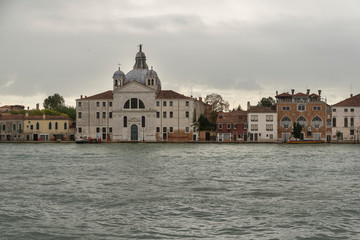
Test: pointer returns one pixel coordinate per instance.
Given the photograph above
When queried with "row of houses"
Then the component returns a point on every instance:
(319, 121)
(36, 128)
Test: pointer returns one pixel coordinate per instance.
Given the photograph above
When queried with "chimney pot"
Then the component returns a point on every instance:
(292, 91)
(308, 92)
(351, 95)
(200, 99)
(80, 96)
(248, 105)
(319, 91)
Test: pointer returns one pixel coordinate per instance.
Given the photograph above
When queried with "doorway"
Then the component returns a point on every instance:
(134, 132)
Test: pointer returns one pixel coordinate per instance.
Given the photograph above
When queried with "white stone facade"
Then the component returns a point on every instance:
(262, 124)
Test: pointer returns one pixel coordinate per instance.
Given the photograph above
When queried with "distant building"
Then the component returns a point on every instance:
(262, 124)
(313, 114)
(138, 110)
(11, 127)
(346, 119)
(232, 126)
(9, 108)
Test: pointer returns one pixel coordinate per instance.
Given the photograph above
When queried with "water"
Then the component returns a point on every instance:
(179, 191)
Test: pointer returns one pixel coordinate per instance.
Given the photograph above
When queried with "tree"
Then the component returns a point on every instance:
(68, 110)
(267, 102)
(238, 108)
(54, 101)
(205, 124)
(217, 104)
(296, 131)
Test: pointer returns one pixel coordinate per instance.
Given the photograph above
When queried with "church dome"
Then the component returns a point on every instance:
(119, 74)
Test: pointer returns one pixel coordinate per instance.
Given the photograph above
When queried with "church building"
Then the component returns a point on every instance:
(136, 109)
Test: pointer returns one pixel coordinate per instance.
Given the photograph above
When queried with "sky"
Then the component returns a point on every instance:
(241, 49)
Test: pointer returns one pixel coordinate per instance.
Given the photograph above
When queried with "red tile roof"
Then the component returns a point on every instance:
(260, 109)
(37, 117)
(284, 95)
(103, 95)
(232, 117)
(169, 94)
(349, 102)
(300, 94)
(11, 117)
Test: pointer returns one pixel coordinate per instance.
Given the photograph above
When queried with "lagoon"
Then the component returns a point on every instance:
(179, 191)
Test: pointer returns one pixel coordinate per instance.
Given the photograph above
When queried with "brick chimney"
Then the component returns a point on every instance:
(292, 91)
(308, 92)
(248, 105)
(80, 96)
(37, 106)
(319, 91)
(200, 99)
(351, 95)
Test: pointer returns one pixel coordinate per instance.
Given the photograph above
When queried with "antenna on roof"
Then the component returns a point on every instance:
(140, 47)
(119, 66)
(350, 89)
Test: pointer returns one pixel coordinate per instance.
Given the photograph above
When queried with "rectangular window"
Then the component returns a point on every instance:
(110, 129)
(104, 129)
(316, 108)
(187, 114)
(171, 114)
(79, 104)
(97, 130)
(79, 114)
(334, 109)
(104, 104)
(352, 132)
(157, 114)
(157, 129)
(245, 126)
(164, 114)
(254, 118)
(97, 115)
(104, 114)
(228, 126)
(285, 108)
(157, 103)
(110, 114)
(269, 127)
(171, 129)
(187, 129)
(351, 110)
(31, 127)
(187, 103)
(301, 107)
(79, 130)
(164, 103)
(98, 104)
(234, 126)
(110, 104)
(171, 103)
(220, 126)
(269, 118)
(345, 110)
(254, 127)
(164, 129)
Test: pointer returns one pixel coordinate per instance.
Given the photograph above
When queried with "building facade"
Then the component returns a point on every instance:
(262, 124)
(346, 119)
(232, 126)
(313, 114)
(136, 109)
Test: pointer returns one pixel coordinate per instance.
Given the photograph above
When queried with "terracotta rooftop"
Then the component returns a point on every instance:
(283, 95)
(232, 117)
(349, 102)
(12, 117)
(169, 94)
(260, 109)
(300, 94)
(38, 117)
(103, 95)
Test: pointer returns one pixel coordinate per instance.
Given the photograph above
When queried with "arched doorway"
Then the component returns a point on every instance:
(134, 132)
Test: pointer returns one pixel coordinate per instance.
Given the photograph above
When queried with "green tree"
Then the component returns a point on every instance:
(267, 102)
(296, 131)
(68, 110)
(54, 101)
(205, 124)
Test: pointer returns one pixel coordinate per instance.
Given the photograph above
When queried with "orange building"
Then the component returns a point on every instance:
(313, 114)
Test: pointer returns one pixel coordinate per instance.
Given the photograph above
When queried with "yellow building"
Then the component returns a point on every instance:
(48, 128)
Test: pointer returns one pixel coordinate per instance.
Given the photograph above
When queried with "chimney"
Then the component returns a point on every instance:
(80, 96)
(200, 99)
(248, 105)
(37, 106)
(319, 91)
(26, 114)
(277, 93)
(292, 91)
(351, 95)
(308, 92)
(44, 116)
(28, 108)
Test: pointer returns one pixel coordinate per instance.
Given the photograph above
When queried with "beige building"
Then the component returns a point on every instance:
(262, 123)
(138, 110)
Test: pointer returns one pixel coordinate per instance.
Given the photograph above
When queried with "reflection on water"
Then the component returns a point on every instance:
(179, 191)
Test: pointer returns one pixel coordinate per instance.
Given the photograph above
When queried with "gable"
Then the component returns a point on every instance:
(135, 87)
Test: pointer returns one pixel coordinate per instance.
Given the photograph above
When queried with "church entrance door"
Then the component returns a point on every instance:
(134, 132)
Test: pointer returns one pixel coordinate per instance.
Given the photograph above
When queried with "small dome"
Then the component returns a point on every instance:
(151, 73)
(119, 74)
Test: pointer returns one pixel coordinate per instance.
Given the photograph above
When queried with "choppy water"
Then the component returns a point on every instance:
(179, 191)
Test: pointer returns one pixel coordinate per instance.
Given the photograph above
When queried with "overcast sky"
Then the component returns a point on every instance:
(243, 50)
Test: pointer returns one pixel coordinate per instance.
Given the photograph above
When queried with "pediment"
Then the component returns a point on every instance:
(134, 86)
(134, 120)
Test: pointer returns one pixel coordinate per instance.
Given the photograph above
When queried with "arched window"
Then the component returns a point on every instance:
(351, 122)
(37, 126)
(4, 127)
(134, 103)
(302, 121)
(346, 124)
(334, 122)
(56, 125)
(20, 127)
(14, 127)
(50, 125)
(149, 82)
(152, 81)
(65, 125)
(125, 121)
(316, 122)
(285, 122)
(116, 83)
(143, 121)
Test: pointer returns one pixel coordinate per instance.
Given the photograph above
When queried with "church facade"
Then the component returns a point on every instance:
(136, 109)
